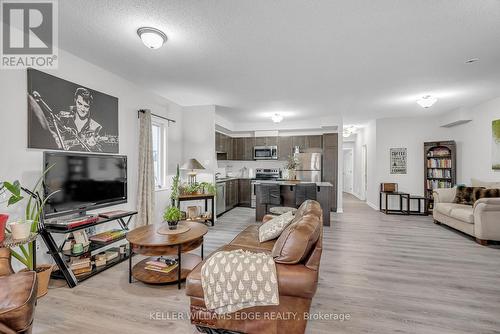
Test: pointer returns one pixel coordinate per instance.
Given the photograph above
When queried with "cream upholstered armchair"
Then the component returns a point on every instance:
(481, 220)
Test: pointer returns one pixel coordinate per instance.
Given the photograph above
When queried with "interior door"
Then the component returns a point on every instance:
(348, 170)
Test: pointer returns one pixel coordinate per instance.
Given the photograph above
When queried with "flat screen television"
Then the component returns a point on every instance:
(83, 182)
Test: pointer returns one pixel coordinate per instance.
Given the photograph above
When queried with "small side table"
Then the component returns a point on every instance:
(419, 200)
(206, 197)
(399, 211)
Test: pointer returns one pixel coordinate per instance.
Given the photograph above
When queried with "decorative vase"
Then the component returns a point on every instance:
(3, 222)
(21, 229)
(291, 174)
(172, 225)
(43, 272)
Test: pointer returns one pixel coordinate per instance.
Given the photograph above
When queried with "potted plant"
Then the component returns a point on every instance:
(291, 166)
(172, 215)
(33, 214)
(208, 188)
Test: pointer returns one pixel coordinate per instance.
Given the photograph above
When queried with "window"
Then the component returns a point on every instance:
(159, 152)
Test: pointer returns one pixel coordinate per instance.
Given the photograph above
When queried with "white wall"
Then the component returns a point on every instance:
(24, 164)
(474, 143)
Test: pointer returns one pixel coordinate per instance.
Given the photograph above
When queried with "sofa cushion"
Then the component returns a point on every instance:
(445, 208)
(273, 228)
(293, 280)
(464, 213)
(466, 195)
(249, 237)
(296, 241)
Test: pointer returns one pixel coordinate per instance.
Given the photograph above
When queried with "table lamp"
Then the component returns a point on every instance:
(192, 165)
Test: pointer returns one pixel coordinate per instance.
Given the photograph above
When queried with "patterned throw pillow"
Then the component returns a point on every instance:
(467, 195)
(273, 228)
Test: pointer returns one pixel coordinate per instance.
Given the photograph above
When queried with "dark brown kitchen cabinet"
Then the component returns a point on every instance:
(245, 192)
(260, 141)
(285, 148)
(330, 163)
(299, 141)
(249, 143)
(314, 141)
(232, 194)
(266, 141)
(229, 148)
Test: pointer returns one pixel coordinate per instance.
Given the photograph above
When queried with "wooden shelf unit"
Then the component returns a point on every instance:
(440, 167)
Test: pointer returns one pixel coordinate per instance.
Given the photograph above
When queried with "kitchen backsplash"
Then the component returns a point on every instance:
(236, 168)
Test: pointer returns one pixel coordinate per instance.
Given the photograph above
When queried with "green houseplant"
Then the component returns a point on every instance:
(33, 214)
(208, 188)
(174, 194)
(172, 215)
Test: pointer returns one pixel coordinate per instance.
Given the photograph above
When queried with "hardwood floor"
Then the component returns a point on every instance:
(389, 273)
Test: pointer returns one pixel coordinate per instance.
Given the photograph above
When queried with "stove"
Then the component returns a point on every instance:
(267, 173)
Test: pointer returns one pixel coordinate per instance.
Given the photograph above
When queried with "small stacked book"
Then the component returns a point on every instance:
(161, 266)
(81, 266)
(108, 236)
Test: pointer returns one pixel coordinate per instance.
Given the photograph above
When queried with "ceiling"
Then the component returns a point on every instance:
(363, 59)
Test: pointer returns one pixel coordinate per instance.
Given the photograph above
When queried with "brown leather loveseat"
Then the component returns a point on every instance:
(297, 254)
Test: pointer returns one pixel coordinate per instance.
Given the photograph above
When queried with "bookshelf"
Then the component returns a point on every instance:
(440, 171)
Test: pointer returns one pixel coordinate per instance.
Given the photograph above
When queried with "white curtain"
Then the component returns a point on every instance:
(145, 188)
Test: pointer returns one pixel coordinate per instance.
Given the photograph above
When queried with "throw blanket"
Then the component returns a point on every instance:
(239, 279)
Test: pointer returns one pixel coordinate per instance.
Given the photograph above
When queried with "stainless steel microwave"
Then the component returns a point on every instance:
(265, 152)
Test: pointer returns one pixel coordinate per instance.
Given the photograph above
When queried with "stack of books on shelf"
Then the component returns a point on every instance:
(439, 163)
(161, 266)
(81, 266)
(108, 236)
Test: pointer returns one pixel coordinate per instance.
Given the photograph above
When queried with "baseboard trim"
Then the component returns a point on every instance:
(373, 206)
(358, 196)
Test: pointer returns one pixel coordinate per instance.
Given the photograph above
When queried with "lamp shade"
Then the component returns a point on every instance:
(192, 164)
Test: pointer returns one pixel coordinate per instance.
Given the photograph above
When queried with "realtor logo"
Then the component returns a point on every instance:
(29, 34)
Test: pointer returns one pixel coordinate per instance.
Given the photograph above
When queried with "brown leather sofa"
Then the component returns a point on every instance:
(297, 254)
(17, 297)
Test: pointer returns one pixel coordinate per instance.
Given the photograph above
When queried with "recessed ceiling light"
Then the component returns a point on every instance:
(152, 37)
(427, 101)
(471, 60)
(277, 118)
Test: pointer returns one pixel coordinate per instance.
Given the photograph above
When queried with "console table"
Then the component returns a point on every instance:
(59, 255)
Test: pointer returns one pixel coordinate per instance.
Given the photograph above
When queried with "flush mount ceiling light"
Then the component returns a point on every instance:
(152, 37)
(426, 101)
(277, 118)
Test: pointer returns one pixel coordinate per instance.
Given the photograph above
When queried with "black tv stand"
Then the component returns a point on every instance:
(59, 255)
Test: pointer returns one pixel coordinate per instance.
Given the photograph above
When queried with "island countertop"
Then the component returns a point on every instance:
(293, 182)
(324, 195)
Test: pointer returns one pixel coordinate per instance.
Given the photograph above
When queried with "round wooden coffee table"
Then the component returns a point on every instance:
(147, 241)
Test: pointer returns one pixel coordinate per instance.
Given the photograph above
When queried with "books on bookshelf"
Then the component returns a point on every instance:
(439, 173)
(107, 236)
(437, 184)
(438, 163)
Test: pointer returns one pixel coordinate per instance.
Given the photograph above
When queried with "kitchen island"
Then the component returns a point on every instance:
(324, 193)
